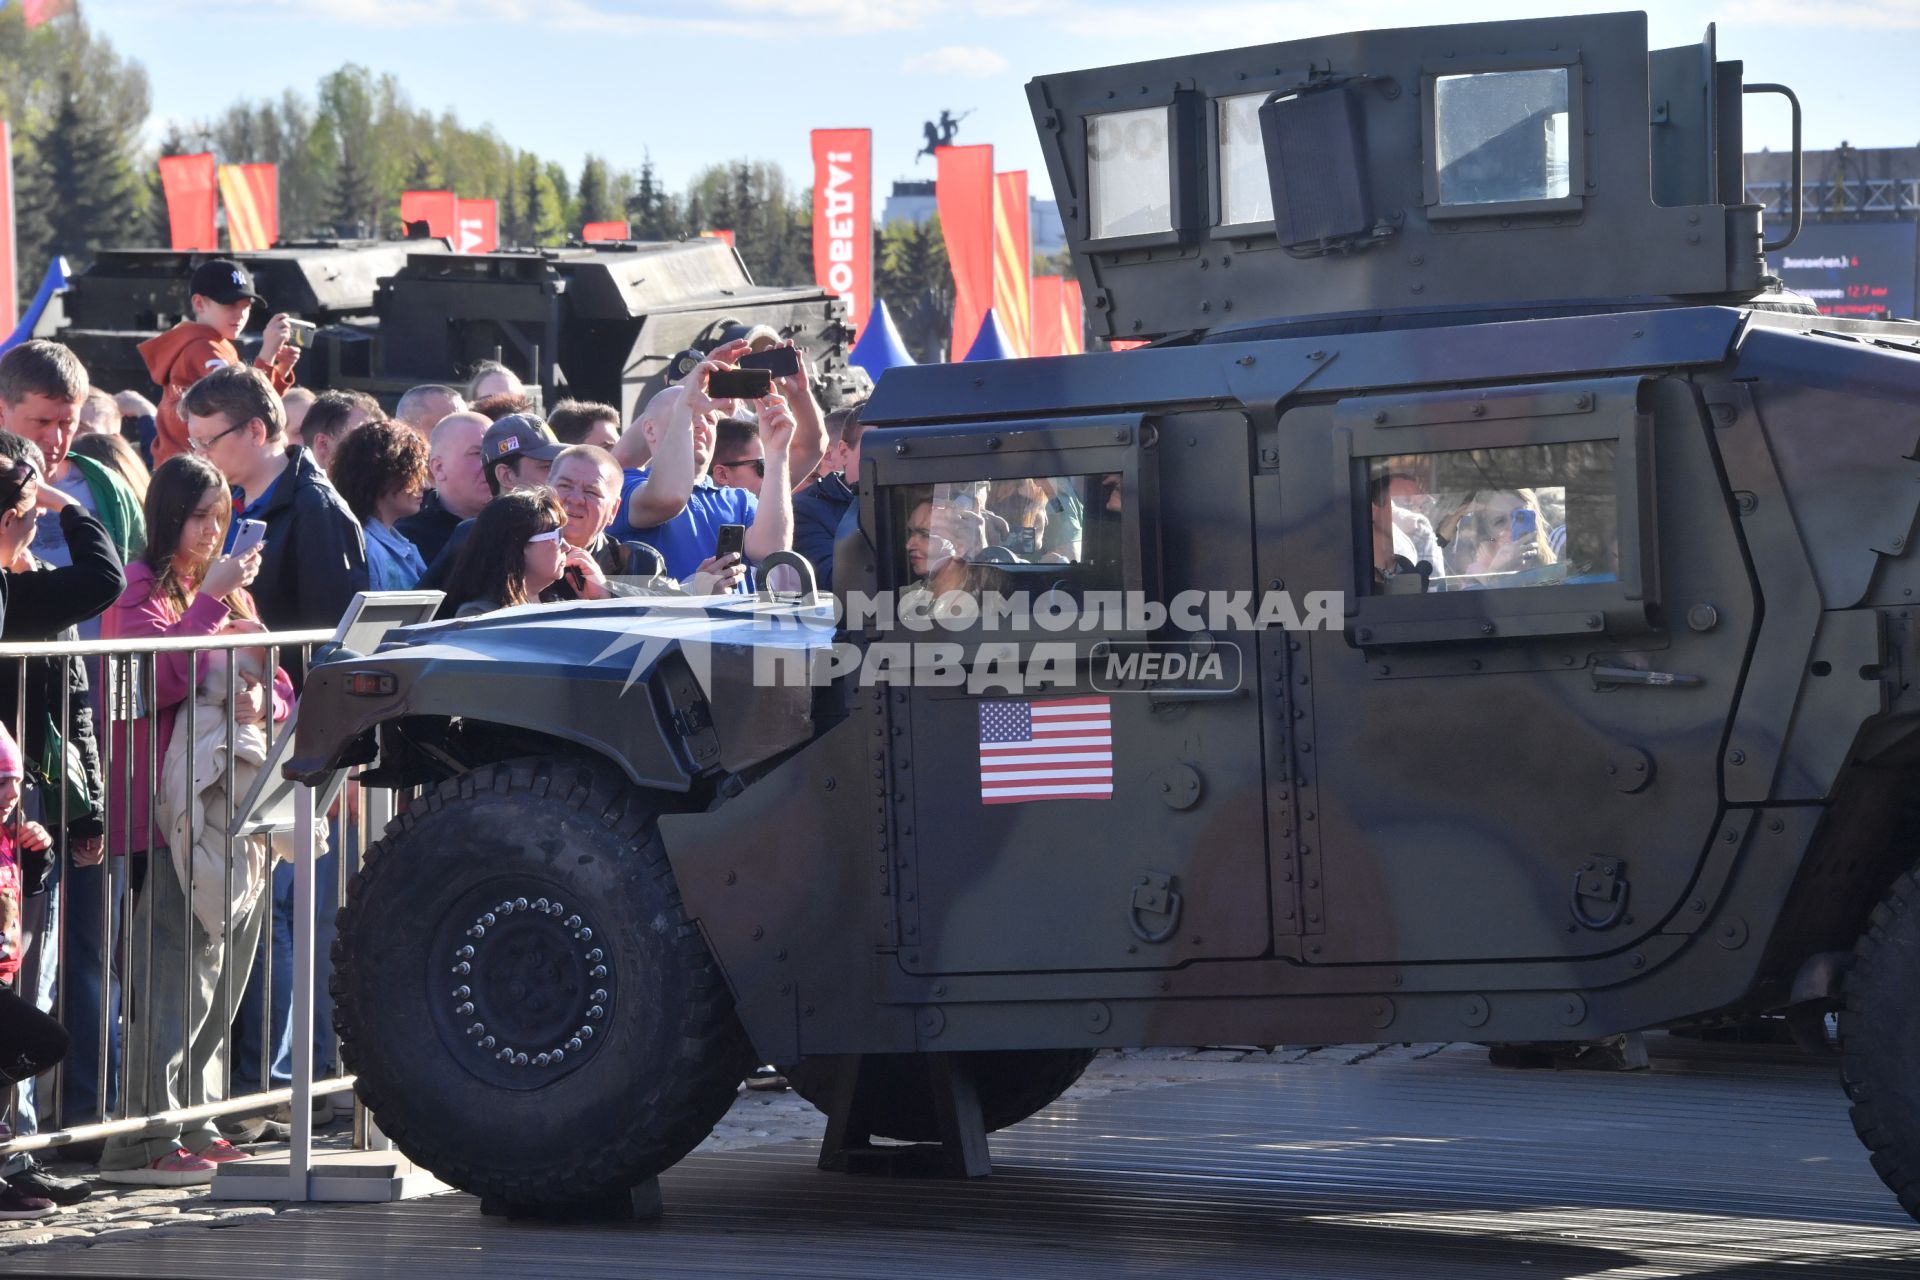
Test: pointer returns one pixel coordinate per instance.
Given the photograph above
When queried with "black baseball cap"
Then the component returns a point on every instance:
(519, 435)
(223, 280)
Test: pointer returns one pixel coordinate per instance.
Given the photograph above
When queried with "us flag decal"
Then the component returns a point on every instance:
(1050, 749)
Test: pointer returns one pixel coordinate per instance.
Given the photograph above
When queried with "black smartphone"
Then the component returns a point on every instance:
(732, 540)
(740, 384)
(781, 362)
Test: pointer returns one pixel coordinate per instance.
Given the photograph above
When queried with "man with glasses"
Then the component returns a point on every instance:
(315, 558)
(738, 460)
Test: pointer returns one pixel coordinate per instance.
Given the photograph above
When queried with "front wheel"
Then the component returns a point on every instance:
(1880, 1039)
(527, 1008)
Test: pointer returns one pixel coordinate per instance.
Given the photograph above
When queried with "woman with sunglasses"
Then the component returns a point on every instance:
(513, 554)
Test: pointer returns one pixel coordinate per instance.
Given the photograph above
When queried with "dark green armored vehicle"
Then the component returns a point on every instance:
(1484, 611)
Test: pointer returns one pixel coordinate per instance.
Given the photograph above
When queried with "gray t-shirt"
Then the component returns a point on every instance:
(49, 541)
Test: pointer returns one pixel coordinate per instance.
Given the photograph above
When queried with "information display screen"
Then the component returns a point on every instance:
(1864, 270)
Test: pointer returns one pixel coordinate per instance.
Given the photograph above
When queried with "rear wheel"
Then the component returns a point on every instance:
(1012, 1084)
(1880, 1040)
(528, 1010)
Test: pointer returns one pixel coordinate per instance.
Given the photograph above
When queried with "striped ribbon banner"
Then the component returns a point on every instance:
(251, 194)
(1013, 262)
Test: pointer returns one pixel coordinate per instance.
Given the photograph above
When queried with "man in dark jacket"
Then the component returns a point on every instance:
(315, 558)
(456, 465)
(47, 602)
(819, 508)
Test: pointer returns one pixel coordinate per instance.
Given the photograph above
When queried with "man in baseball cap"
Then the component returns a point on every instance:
(221, 295)
(522, 446)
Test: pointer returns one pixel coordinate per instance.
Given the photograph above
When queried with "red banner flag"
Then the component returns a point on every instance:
(1075, 332)
(843, 218)
(190, 183)
(251, 194)
(719, 235)
(9, 263)
(39, 11)
(1049, 316)
(440, 210)
(964, 196)
(479, 226)
(1013, 262)
(597, 232)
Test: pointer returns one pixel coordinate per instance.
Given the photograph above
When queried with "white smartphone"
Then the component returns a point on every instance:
(252, 533)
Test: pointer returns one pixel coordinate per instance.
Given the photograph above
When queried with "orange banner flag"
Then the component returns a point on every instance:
(1013, 262)
(1076, 318)
(190, 183)
(438, 209)
(601, 232)
(843, 218)
(964, 195)
(1049, 316)
(251, 194)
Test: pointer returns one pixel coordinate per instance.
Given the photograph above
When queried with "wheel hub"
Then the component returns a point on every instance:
(528, 988)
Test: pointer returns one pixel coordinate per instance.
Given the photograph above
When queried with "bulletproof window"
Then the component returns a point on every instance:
(1130, 172)
(1503, 137)
(1534, 515)
(1012, 533)
(1246, 194)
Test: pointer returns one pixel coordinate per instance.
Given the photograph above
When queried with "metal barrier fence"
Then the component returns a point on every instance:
(168, 810)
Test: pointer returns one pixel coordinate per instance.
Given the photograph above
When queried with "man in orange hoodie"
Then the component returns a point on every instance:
(222, 297)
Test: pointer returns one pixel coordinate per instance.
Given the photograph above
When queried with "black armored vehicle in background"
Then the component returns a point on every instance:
(600, 322)
(1543, 579)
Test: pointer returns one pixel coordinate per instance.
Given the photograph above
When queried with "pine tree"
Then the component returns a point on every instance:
(355, 201)
(654, 213)
(912, 277)
(594, 199)
(81, 192)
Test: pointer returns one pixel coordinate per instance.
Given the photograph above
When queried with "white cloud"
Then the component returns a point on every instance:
(956, 60)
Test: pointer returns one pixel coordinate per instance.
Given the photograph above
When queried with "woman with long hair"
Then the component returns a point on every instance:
(180, 586)
(514, 553)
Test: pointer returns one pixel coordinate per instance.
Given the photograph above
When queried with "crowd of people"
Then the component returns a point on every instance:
(242, 503)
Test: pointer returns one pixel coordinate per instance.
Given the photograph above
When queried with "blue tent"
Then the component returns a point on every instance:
(880, 348)
(56, 280)
(988, 344)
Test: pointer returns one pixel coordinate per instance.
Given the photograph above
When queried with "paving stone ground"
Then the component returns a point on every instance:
(756, 1119)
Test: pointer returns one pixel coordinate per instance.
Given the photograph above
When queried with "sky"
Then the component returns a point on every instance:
(699, 83)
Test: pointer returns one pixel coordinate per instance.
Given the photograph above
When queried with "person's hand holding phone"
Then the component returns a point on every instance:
(777, 423)
(229, 574)
(584, 574)
(718, 575)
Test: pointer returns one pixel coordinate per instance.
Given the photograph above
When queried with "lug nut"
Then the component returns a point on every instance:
(465, 1009)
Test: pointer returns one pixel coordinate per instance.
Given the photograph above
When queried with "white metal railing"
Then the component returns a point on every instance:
(125, 677)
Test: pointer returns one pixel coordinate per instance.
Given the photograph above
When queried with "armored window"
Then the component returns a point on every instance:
(1246, 193)
(1130, 172)
(1037, 534)
(1492, 519)
(1503, 137)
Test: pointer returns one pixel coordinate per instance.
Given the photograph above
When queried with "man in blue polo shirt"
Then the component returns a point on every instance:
(681, 440)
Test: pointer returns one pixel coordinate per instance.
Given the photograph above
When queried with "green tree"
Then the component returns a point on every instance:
(913, 278)
(652, 210)
(541, 212)
(82, 197)
(594, 202)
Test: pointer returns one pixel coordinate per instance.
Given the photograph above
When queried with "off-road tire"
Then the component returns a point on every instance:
(1880, 1039)
(1013, 1084)
(575, 845)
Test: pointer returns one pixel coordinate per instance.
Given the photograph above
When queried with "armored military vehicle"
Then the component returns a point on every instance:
(599, 322)
(1541, 582)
